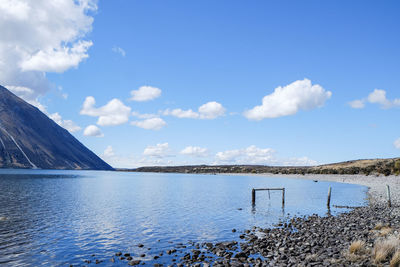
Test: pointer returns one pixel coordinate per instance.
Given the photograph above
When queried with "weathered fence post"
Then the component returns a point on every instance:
(328, 202)
(253, 196)
(388, 195)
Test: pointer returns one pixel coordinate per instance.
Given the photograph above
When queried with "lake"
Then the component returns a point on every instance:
(57, 218)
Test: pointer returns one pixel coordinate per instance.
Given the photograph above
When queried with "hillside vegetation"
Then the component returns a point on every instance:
(367, 167)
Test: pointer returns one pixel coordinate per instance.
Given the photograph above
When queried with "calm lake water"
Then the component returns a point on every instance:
(57, 218)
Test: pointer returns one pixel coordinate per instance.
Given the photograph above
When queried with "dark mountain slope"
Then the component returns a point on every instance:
(29, 139)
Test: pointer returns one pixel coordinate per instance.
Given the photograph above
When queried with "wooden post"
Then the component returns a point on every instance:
(253, 196)
(328, 203)
(283, 197)
(388, 195)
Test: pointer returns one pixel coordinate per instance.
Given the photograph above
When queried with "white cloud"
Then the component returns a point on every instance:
(111, 114)
(57, 60)
(397, 143)
(66, 124)
(145, 93)
(378, 96)
(144, 115)
(150, 124)
(262, 156)
(249, 155)
(42, 36)
(108, 152)
(357, 104)
(210, 110)
(288, 100)
(195, 151)
(179, 113)
(119, 50)
(158, 151)
(93, 130)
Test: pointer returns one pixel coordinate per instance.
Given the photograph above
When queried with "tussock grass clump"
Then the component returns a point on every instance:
(395, 262)
(356, 247)
(385, 231)
(384, 248)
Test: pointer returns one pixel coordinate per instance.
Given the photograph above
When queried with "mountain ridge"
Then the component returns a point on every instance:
(30, 139)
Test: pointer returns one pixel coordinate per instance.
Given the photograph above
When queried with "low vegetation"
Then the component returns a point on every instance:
(365, 167)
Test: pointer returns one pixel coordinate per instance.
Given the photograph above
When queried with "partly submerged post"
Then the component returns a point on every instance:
(388, 195)
(253, 194)
(328, 203)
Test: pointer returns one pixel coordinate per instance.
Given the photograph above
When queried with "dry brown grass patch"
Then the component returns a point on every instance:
(385, 231)
(385, 248)
(395, 262)
(379, 226)
(356, 247)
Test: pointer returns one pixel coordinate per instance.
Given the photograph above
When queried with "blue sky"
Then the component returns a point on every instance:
(328, 73)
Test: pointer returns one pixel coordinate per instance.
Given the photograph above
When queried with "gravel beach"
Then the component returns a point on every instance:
(365, 236)
(376, 184)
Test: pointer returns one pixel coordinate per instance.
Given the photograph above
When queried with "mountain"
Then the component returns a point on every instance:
(29, 139)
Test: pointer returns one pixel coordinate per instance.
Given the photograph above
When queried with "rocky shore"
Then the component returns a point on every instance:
(365, 236)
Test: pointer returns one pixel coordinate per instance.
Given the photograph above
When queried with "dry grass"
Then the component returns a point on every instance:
(356, 247)
(379, 226)
(385, 248)
(385, 231)
(395, 262)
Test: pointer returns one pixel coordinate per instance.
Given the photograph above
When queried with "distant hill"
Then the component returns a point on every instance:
(29, 139)
(366, 167)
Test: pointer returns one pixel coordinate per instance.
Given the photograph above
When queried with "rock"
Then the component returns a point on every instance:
(134, 262)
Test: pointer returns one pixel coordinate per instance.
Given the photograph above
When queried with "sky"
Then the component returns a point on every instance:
(173, 82)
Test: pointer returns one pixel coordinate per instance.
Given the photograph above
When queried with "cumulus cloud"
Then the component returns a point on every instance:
(93, 130)
(108, 152)
(194, 151)
(111, 114)
(262, 156)
(69, 125)
(150, 124)
(144, 115)
(119, 50)
(358, 104)
(397, 143)
(250, 155)
(210, 110)
(180, 113)
(145, 93)
(288, 100)
(158, 151)
(41, 36)
(378, 96)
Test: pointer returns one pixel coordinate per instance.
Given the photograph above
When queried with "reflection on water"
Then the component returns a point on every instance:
(63, 217)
